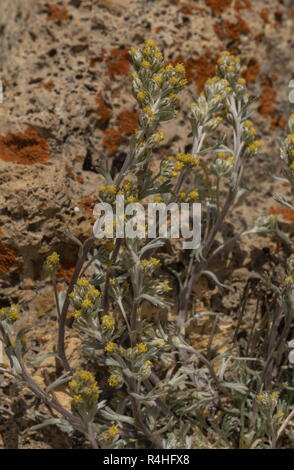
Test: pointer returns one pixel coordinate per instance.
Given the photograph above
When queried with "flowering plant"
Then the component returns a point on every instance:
(141, 383)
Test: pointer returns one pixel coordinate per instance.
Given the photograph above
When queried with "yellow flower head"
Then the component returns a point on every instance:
(248, 123)
(92, 292)
(3, 311)
(194, 195)
(147, 51)
(77, 314)
(166, 287)
(133, 51)
(174, 80)
(84, 388)
(52, 261)
(13, 314)
(145, 64)
(225, 53)
(180, 68)
(113, 431)
(158, 137)
(141, 95)
(169, 68)
(221, 155)
(108, 321)
(158, 55)
(132, 199)
(151, 43)
(83, 282)
(254, 146)
(141, 347)
(110, 347)
(178, 166)
(183, 82)
(86, 303)
(113, 381)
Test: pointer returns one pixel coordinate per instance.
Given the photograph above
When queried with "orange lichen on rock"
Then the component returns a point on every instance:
(7, 257)
(186, 9)
(117, 62)
(242, 4)
(232, 30)
(252, 71)
(200, 69)
(46, 85)
(111, 140)
(65, 275)
(267, 100)
(218, 6)
(56, 13)
(286, 214)
(87, 204)
(27, 148)
(278, 121)
(103, 111)
(264, 15)
(127, 121)
(80, 179)
(69, 171)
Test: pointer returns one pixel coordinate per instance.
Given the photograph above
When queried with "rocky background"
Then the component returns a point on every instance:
(67, 105)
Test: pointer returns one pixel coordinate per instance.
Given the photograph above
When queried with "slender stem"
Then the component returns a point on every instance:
(62, 320)
(54, 282)
(107, 276)
(284, 425)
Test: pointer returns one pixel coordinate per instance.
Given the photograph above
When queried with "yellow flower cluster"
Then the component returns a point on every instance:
(84, 296)
(52, 261)
(225, 156)
(142, 95)
(113, 381)
(113, 430)
(176, 75)
(187, 159)
(110, 347)
(149, 112)
(108, 322)
(147, 54)
(158, 137)
(255, 146)
(110, 189)
(150, 263)
(141, 347)
(10, 314)
(249, 129)
(166, 287)
(194, 195)
(228, 62)
(267, 399)
(84, 389)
